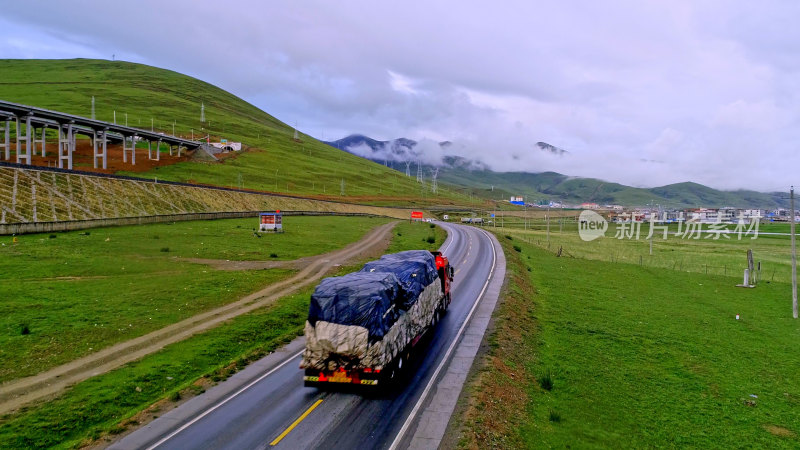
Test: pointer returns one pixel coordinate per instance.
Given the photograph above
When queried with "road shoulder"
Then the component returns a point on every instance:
(433, 421)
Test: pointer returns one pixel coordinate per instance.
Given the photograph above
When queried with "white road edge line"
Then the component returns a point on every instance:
(444, 250)
(422, 398)
(209, 411)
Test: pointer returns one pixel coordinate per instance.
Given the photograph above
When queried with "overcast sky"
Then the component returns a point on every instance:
(643, 93)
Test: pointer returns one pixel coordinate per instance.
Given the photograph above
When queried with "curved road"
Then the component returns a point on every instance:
(268, 406)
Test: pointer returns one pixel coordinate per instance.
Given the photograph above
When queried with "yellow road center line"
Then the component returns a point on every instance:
(295, 423)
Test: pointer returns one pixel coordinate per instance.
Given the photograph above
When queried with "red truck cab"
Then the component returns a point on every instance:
(446, 273)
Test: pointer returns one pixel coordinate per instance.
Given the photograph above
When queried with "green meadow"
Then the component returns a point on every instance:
(73, 293)
(592, 353)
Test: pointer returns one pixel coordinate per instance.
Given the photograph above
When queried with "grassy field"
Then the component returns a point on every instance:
(591, 353)
(274, 161)
(416, 235)
(727, 257)
(76, 292)
(105, 404)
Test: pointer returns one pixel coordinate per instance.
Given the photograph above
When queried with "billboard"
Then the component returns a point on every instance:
(517, 200)
(271, 221)
(416, 214)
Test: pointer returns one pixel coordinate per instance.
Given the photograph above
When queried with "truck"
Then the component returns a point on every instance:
(362, 327)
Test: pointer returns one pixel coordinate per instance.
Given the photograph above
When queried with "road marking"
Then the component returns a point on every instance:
(417, 407)
(209, 411)
(295, 423)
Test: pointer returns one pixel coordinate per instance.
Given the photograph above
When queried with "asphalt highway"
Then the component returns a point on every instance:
(270, 407)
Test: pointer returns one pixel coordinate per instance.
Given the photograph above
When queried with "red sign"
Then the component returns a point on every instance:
(416, 214)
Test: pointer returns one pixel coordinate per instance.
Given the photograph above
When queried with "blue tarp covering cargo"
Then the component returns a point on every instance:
(415, 269)
(359, 298)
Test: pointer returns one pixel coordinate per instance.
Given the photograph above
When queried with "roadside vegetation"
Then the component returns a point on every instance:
(591, 353)
(69, 294)
(108, 404)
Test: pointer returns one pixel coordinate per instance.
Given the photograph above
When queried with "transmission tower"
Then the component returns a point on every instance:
(419, 173)
(341, 190)
(93, 107)
(408, 169)
(202, 112)
(434, 176)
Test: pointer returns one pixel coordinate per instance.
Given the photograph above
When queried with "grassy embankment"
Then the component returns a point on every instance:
(273, 162)
(108, 403)
(69, 294)
(592, 353)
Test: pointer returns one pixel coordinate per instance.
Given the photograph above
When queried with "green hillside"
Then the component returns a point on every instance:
(545, 186)
(273, 162)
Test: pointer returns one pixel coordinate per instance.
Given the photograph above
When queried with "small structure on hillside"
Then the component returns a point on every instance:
(271, 221)
(227, 146)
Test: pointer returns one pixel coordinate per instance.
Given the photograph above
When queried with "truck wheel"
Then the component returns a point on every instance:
(395, 370)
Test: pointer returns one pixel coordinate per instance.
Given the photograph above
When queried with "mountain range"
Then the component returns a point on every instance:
(545, 187)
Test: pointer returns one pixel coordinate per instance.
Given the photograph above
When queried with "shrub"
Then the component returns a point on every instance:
(155, 236)
(273, 255)
(509, 238)
(546, 380)
(555, 416)
(431, 239)
(518, 248)
(53, 236)
(433, 226)
(165, 249)
(24, 329)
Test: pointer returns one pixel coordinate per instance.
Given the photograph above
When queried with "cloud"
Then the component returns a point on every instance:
(707, 89)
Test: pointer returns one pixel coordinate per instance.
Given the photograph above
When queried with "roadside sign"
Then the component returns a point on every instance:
(416, 214)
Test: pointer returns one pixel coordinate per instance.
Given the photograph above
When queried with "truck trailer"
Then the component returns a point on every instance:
(362, 326)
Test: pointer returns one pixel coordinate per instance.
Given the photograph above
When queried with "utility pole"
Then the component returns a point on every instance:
(525, 215)
(794, 258)
(548, 223)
